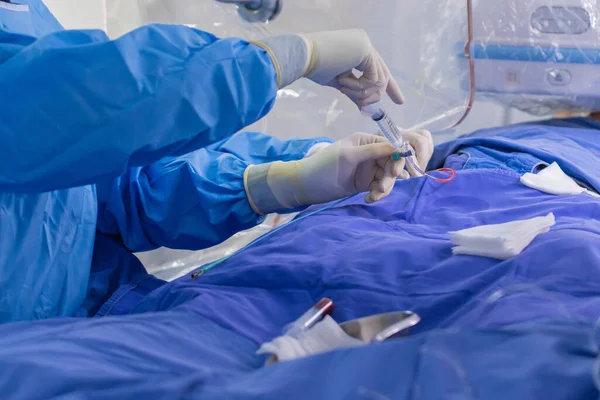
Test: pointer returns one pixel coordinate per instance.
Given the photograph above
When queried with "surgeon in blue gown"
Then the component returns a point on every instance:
(102, 137)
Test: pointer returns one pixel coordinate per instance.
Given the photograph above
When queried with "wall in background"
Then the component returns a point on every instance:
(78, 14)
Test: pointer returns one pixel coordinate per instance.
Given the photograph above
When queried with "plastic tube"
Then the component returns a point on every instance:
(394, 136)
(309, 318)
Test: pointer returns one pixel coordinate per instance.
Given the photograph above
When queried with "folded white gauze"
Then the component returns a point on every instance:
(500, 241)
(552, 180)
(324, 336)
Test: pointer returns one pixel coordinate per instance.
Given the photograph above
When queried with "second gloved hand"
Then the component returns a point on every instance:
(329, 58)
(333, 56)
(360, 163)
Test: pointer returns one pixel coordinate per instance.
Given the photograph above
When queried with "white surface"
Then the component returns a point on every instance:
(78, 14)
(552, 180)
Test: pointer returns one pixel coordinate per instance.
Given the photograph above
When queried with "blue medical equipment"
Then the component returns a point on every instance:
(537, 55)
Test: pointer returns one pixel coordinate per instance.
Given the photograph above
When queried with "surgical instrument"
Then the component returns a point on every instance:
(310, 317)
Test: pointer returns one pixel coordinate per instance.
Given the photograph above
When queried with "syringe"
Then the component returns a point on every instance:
(394, 136)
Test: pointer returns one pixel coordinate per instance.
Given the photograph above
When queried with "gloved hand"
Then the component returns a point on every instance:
(422, 143)
(328, 59)
(360, 163)
(333, 56)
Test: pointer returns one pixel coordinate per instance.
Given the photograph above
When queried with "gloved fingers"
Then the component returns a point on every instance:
(382, 162)
(394, 92)
(372, 70)
(379, 190)
(393, 89)
(389, 178)
(386, 184)
(374, 98)
(378, 74)
(359, 89)
(411, 169)
(363, 97)
(381, 185)
(373, 75)
(372, 152)
(422, 143)
(388, 173)
(374, 197)
(382, 172)
(362, 139)
(426, 149)
(393, 169)
(361, 94)
(398, 168)
(367, 90)
(391, 166)
(351, 82)
(379, 173)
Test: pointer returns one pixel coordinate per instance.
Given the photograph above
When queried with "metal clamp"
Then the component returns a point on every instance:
(381, 327)
(257, 10)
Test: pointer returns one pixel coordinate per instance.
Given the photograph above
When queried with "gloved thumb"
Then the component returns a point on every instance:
(373, 151)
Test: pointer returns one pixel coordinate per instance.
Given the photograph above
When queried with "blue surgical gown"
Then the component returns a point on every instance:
(90, 131)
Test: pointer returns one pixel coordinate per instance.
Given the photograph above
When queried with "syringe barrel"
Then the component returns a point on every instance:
(391, 132)
(373, 111)
(387, 128)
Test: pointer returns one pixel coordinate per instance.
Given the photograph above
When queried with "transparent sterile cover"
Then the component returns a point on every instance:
(417, 39)
(540, 56)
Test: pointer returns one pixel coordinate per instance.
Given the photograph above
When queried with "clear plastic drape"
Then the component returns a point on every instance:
(418, 40)
(422, 42)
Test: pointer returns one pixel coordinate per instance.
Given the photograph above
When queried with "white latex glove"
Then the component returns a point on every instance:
(333, 56)
(360, 163)
(328, 59)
